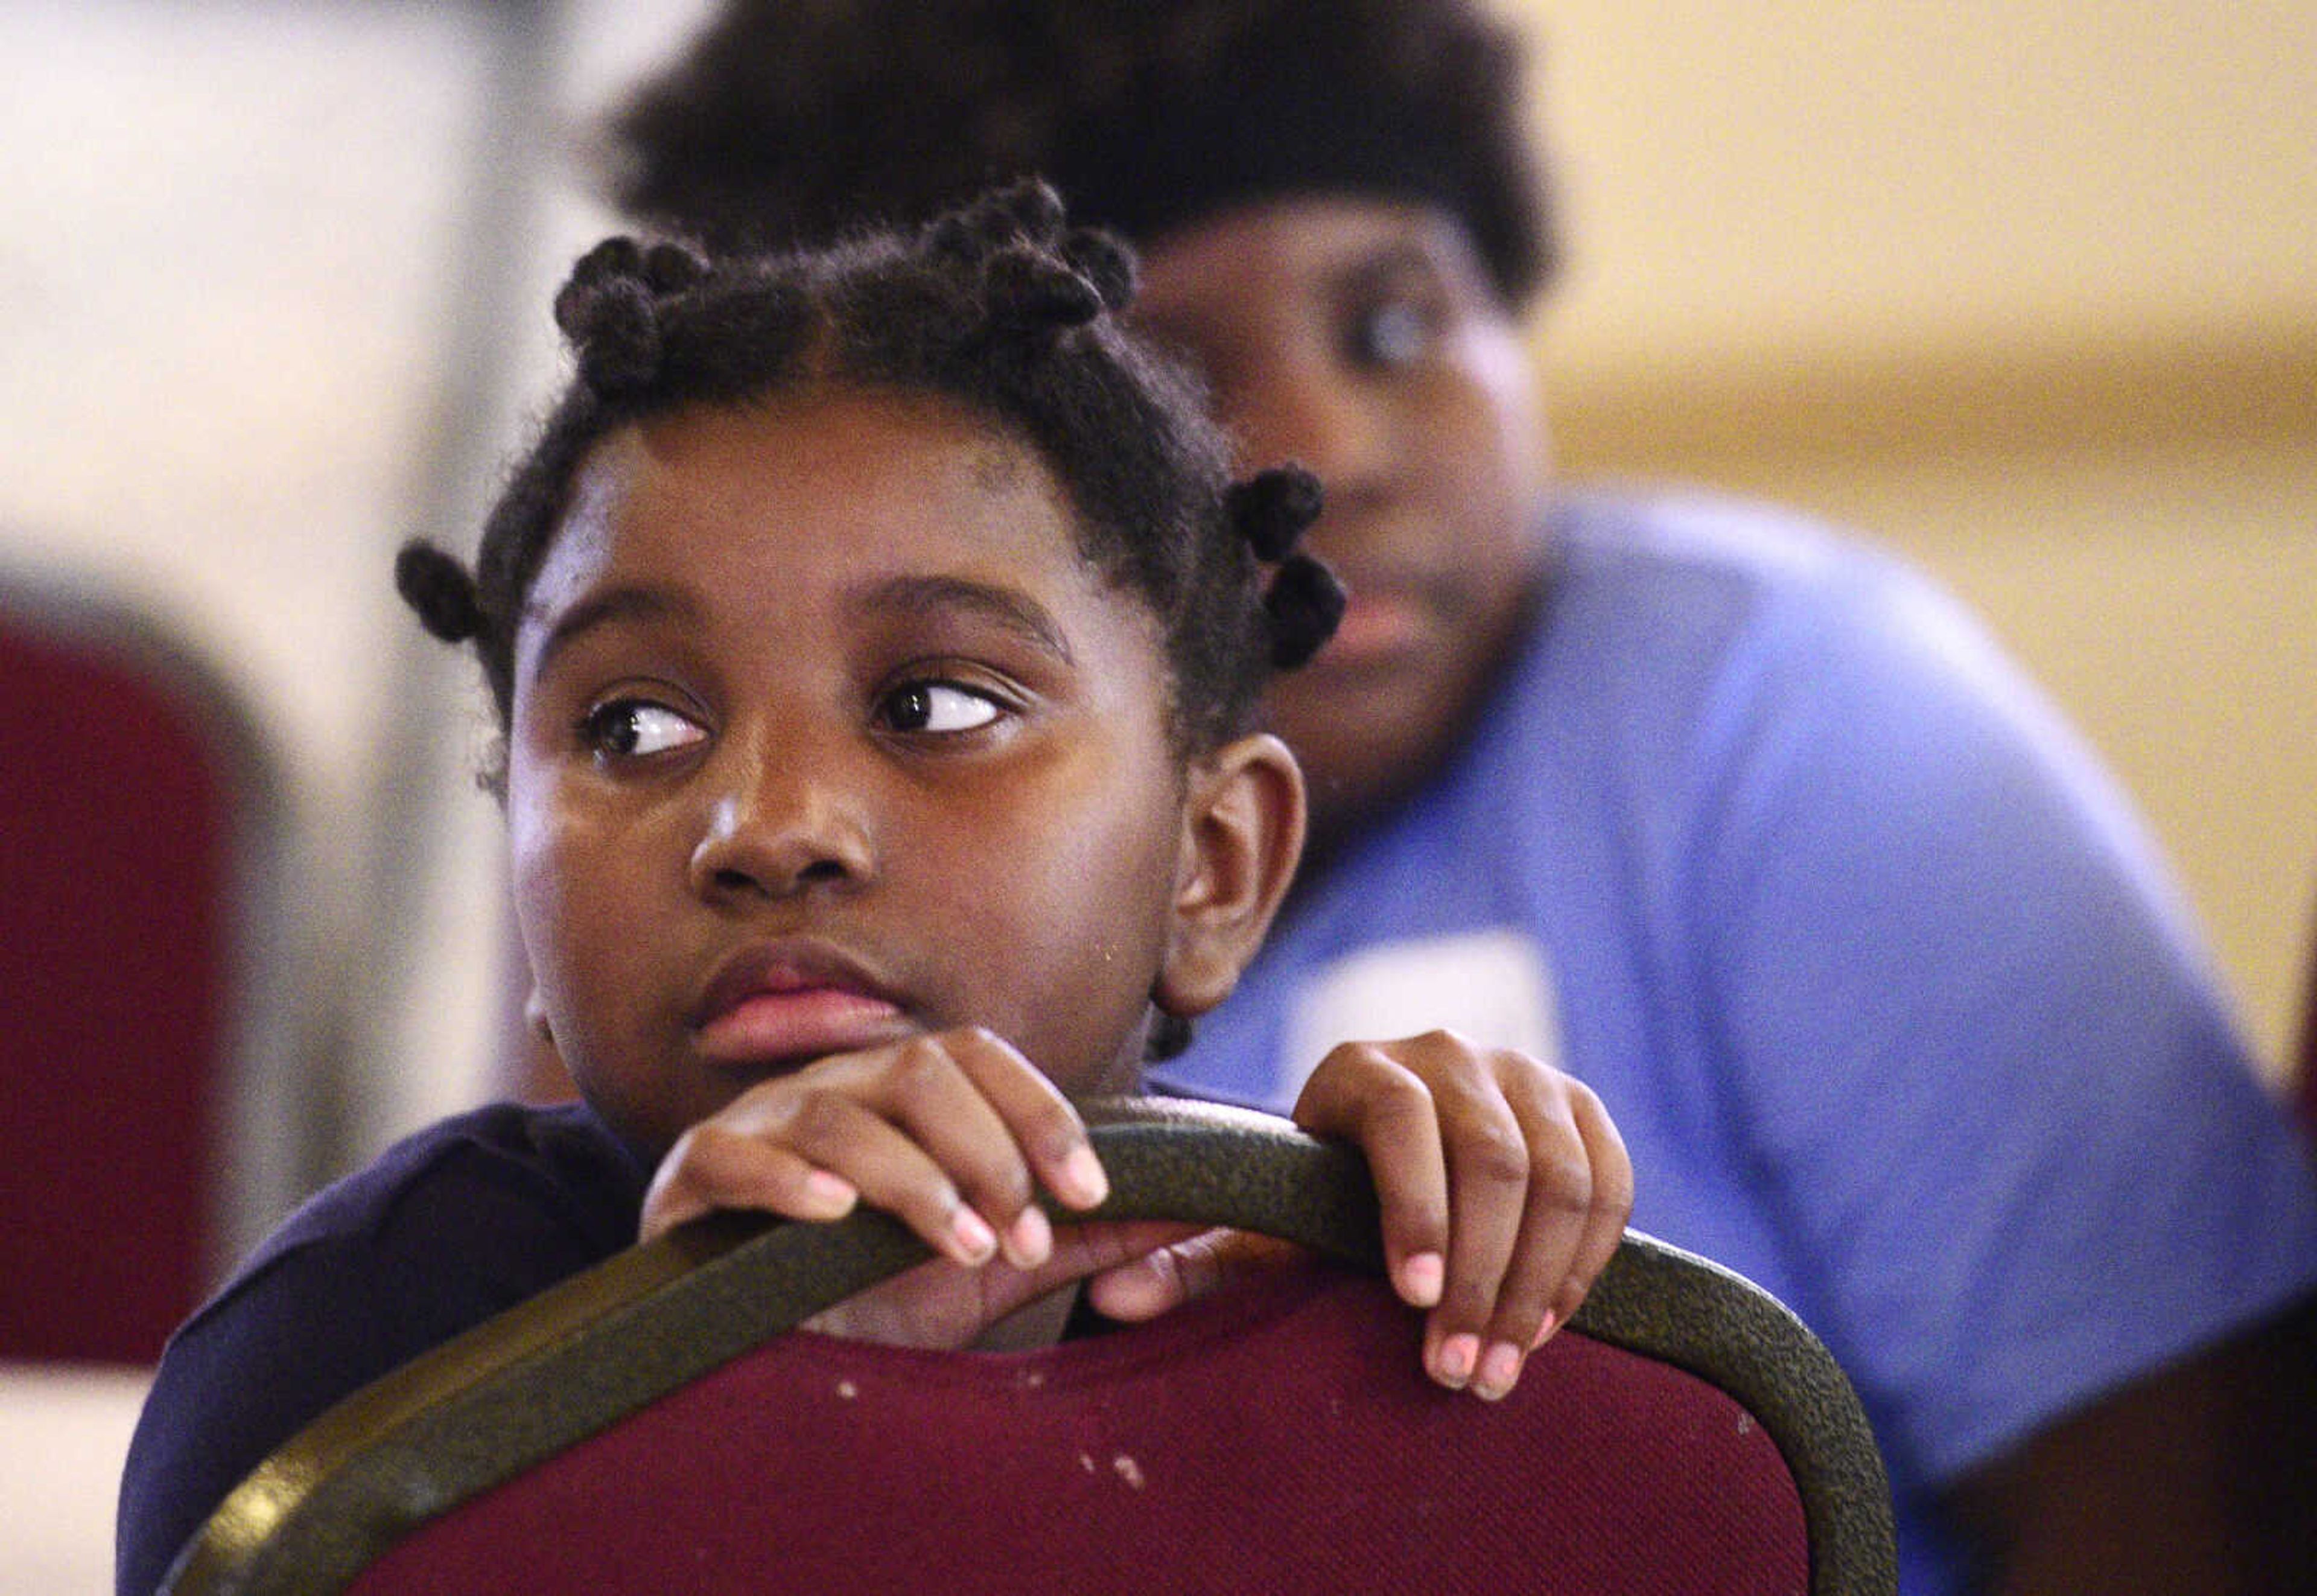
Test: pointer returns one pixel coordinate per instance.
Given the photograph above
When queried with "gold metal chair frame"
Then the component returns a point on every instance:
(539, 1378)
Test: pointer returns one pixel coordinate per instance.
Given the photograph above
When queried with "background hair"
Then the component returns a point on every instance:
(1001, 308)
(788, 118)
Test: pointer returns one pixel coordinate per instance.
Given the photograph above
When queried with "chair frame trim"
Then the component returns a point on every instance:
(400, 1452)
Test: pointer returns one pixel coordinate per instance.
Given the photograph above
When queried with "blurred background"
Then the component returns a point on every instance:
(2022, 288)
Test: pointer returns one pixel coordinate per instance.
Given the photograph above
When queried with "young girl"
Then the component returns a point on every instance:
(876, 638)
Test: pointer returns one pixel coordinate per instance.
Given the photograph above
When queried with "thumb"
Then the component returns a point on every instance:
(1169, 1277)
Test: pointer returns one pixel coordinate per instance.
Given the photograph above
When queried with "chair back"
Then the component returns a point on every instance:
(135, 800)
(635, 1430)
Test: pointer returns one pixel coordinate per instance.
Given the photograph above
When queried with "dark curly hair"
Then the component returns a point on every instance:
(1002, 308)
(789, 118)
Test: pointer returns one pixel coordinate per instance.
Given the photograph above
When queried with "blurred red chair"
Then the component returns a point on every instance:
(635, 1430)
(139, 807)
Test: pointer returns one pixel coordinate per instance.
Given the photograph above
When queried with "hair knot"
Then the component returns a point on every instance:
(616, 257)
(1029, 291)
(441, 590)
(1273, 508)
(609, 308)
(1303, 605)
(1034, 207)
(618, 339)
(669, 267)
(1029, 212)
(1106, 260)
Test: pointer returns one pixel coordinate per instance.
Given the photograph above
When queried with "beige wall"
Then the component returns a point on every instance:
(2024, 290)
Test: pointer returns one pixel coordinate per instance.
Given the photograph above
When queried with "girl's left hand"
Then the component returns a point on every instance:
(1505, 1189)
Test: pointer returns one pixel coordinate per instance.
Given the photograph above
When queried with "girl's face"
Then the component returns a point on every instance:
(824, 734)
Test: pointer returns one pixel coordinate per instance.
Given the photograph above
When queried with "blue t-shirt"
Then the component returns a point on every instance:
(1886, 990)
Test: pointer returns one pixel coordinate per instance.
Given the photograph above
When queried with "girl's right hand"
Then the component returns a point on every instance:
(950, 1132)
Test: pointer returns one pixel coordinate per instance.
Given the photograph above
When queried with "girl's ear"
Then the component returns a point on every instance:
(1242, 835)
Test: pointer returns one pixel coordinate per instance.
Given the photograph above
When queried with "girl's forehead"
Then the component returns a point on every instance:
(817, 486)
(771, 509)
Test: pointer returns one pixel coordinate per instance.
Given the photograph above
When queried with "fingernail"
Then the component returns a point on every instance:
(829, 1194)
(1498, 1371)
(1458, 1354)
(976, 1241)
(1420, 1279)
(1544, 1330)
(1083, 1183)
(1030, 1239)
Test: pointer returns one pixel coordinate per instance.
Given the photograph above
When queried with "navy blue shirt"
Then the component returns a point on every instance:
(456, 1224)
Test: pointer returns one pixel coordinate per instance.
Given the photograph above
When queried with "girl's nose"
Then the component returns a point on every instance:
(781, 827)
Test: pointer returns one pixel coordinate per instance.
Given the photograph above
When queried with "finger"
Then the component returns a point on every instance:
(1167, 1276)
(1610, 1209)
(939, 1305)
(891, 1171)
(1052, 1137)
(1553, 1221)
(1361, 1094)
(711, 1167)
(1096, 1253)
(951, 1094)
(1488, 1163)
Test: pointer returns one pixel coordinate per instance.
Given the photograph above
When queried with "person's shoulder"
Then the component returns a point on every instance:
(1676, 537)
(1741, 583)
(447, 1227)
(495, 1174)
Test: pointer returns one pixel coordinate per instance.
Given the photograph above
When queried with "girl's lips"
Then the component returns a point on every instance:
(785, 1003)
(800, 1023)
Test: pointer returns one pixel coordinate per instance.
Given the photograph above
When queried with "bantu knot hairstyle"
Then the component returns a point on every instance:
(610, 308)
(440, 589)
(1272, 509)
(1002, 308)
(786, 120)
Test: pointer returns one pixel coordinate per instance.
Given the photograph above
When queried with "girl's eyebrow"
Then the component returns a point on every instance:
(633, 602)
(1009, 608)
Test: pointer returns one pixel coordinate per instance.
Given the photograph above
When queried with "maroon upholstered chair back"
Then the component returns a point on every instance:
(125, 782)
(1278, 1437)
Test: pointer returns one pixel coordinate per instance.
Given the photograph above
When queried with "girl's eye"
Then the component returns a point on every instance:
(937, 707)
(636, 729)
(1389, 333)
